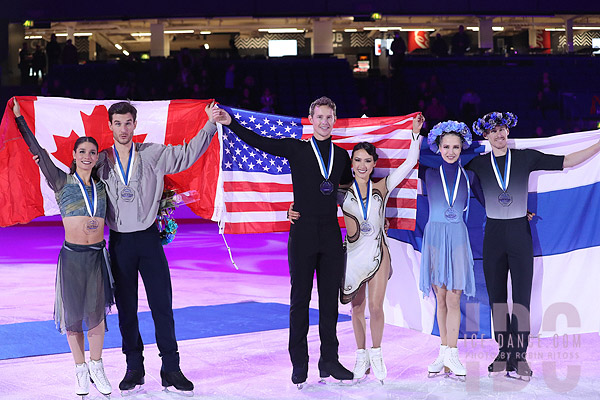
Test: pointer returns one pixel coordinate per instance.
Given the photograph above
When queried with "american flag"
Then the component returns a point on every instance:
(257, 186)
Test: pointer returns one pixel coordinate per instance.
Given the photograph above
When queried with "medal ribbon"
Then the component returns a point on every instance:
(317, 152)
(366, 208)
(502, 181)
(124, 175)
(88, 204)
(456, 184)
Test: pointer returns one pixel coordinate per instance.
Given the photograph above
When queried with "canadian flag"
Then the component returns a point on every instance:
(58, 122)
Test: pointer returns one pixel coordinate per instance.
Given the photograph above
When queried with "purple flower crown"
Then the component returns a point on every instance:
(488, 121)
(446, 127)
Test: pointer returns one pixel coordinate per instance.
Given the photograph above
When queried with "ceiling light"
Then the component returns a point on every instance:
(417, 29)
(382, 28)
(126, 52)
(351, 30)
(494, 28)
(118, 46)
(33, 37)
(82, 34)
(180, 31)
(206, 46)
(281, 30)
(141, 34)
(205, 32)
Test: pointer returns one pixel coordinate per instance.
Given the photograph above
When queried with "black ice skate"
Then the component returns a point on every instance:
(299, 375)
(132, 382)
(499, 365)
(177, 380)
(334, 369)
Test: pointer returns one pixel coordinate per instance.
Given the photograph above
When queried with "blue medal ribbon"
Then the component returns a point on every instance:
(324, 171)
(502, 180)
(125, 174)
(90, 204)
(366, 205)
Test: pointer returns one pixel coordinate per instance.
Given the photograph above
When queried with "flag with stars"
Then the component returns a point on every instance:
(257, 186)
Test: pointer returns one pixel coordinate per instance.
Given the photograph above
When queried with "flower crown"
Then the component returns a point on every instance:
(442, 128)
(490, 120)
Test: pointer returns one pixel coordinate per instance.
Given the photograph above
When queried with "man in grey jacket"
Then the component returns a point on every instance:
(133, 174)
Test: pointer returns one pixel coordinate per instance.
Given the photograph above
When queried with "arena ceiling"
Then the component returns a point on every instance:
(186, 32)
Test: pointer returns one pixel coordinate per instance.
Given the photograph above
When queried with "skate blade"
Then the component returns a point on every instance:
(493, 374)
(361, 379)
(136, 390)
(184, 393)
(336, 382)
(516, 376)
(458, 378)
(300, 386)
(440, 374)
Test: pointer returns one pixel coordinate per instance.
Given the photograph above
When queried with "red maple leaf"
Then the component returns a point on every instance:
(96, 126)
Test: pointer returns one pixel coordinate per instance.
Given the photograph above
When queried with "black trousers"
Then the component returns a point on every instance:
(315, 244)
(142, 251)
(507, 246)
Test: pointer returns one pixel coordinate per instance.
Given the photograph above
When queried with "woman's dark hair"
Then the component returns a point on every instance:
(438, 140)
(78, 142)
(368, 147)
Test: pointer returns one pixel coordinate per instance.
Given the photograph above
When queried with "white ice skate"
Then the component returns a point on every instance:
(453, 363)
(99, 378)
(377, 364)
(362, 365)
(83, 379)
(437, 366)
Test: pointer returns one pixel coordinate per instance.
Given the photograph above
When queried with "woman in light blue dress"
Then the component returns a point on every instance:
(446, 258)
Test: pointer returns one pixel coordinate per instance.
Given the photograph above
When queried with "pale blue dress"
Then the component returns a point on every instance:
(446, 257)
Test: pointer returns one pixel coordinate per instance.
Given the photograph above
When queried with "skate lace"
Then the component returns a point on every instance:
(82, 378)
(455, 360)
(361, 362)
(377, 362)
(99, 376)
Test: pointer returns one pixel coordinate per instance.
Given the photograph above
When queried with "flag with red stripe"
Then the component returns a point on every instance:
(257, 186)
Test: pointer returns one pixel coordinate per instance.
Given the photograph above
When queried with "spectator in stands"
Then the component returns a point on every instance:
(267, 101)
(39, 63)
(435, 87)
(423, 92)
(469, 106)
(122, 89)
(366, 108)
(253, 96)
(435, 112)
(53, 52)
(246, 101)
(230, 83)
(69, 53)
(398, 49)
(460, 42)
(439, 47)
(25, 60)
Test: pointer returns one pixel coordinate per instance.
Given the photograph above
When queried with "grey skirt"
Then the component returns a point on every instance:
(84, 287)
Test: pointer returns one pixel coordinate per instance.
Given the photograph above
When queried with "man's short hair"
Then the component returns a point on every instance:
(122, 107)
(321, 101)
